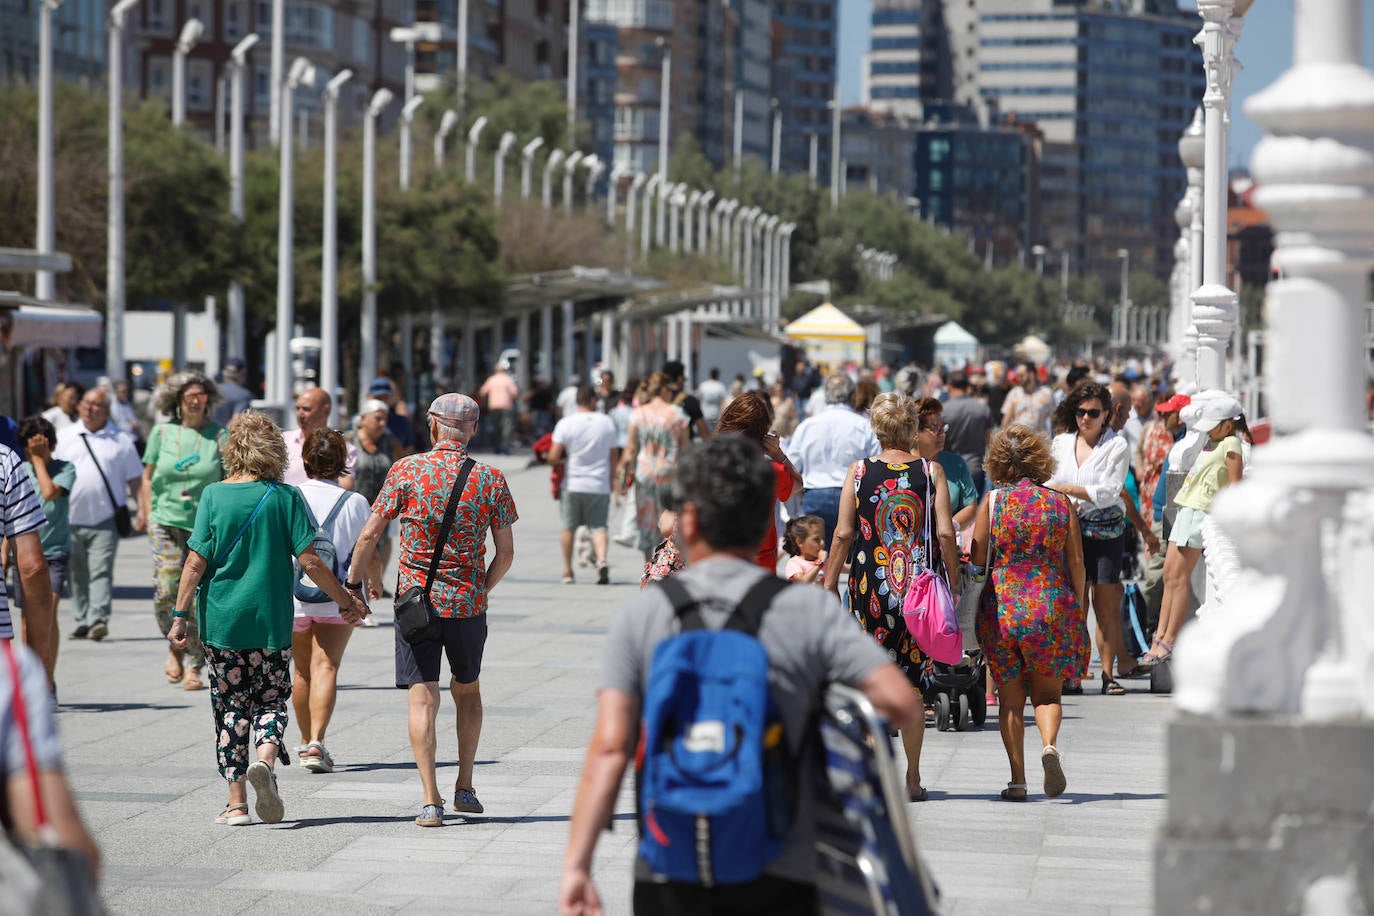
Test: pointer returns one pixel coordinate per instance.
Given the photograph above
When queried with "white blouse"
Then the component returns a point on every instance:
(1102, 475)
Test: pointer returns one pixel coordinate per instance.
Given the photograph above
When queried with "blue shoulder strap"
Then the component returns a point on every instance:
(334, 513)
(256, 509)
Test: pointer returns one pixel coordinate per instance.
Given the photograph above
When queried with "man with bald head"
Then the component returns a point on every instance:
(313, 407)
(417, 491)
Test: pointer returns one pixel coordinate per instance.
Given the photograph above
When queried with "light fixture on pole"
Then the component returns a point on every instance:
(1039, 252)
(302, 73)
(632, 198)
(568, 166)
(114, 254)
(704, 220)
(665, 100)
(329, 258)
(238, 64)
(499, 171)
(190, 34)
(367, 352)
(447, 122)
(594, 167)
(45, 282)
(474, 134)
(613, 191)
(546, 191)
(407, 119)
(526, 164)
(777, 134)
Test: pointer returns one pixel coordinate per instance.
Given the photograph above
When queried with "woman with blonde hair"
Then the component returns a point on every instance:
(1030, 624)
(247, 530)
(894, 510)
(658, 431)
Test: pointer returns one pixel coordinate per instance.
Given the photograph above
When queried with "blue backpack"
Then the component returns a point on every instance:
(303, 588)
(714, 772)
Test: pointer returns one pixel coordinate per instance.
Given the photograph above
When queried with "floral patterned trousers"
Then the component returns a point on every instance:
(169, 557)
(249, 693)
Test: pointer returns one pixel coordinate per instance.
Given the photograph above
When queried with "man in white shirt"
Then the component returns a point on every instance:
(825, 445)
(313, 408)
(712, 394)
(107, 468)
(584, 441)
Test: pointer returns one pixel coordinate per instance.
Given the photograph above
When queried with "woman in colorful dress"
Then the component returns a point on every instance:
(1030, 624)
(658, 431)
(881, 529)
(182, 458)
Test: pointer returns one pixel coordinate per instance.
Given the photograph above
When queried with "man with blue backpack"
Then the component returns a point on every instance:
(716, 679)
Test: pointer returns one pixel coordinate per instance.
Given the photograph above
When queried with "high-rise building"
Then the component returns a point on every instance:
(922, 52)
(78, 42)
(805, 36)
(599, 44)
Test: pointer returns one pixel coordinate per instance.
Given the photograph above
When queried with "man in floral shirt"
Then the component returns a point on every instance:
(416, 491)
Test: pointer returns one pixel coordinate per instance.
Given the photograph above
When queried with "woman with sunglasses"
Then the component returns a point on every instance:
(1091, 462)
(930, 444)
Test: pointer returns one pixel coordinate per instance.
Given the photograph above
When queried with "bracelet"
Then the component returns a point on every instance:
(180, 615)
(353, 586)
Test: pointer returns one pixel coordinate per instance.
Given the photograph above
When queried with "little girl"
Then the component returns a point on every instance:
(804, 539)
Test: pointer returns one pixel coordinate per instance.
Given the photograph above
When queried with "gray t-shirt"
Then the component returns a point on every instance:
(969, 420)
(810, 642)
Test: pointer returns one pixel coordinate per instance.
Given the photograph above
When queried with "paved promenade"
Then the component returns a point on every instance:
(141, 759)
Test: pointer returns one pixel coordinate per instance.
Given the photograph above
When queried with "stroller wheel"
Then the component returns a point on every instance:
(942, 711)
(964, 714)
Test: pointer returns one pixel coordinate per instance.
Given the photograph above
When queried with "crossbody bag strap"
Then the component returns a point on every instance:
(244, 530)
(101, 471)
(21, 720)
(930, 534)
(449, 511)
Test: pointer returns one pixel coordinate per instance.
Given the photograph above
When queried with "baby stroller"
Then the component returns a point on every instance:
(958, 693)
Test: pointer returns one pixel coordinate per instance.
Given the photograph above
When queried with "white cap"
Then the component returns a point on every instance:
(1210, 408)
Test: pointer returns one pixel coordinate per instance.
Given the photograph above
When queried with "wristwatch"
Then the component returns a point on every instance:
(353, 586)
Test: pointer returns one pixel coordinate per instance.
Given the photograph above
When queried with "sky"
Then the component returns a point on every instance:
(1265, 50)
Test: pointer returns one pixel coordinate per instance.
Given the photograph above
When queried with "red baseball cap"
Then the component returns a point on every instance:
(1174, 404)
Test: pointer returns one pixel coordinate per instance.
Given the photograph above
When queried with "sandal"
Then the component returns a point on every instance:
(1110, 688)
(1014, 792)
(228, 818)
(1053, 762)
(173, 675)
(919, 795)
(192, 680)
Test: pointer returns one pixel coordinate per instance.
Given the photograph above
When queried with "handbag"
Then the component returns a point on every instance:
(1103, 524)
(124, 524)
(972, 594)
(41, 877)
(928, 607)
(415, 614)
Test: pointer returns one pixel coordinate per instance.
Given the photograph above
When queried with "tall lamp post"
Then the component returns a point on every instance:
(613, 191)
(499, 170)
(407, 119)
(238, 64)
(44, 283)
(526, 164)
(447, 123)
(737, 135)
(367, 352)
(569, 167)
(835, 148)
(573, 39)
(274, 130)
(329, 258)
(665, 100)
(1122, 335)
(474, 134)
(777, 135)
(302, 73)
(546, 190)
(645, 228)
(190, 34)
(114, 255)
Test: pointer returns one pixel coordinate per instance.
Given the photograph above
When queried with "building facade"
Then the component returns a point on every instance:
(805, 55)
(78, 42)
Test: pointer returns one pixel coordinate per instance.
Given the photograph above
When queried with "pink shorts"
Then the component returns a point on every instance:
(304, 623)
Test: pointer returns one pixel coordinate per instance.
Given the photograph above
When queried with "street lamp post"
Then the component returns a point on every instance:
(526, 163)
(190, 34)
(835, 148)
(650, 190)
(300, 74)
(613, 191)
(568, 167)
(737, 159)
(447, 123)
(705, 219)
(367, 353)
(594, 167)
(474, 134)
(238, 64)
(329, 261)
(274, 128)
(499, 173)
(114, 268)
(573, 39)
(632, 200)
(407, 119)
(1123, 307)
(665, 98)
(550, 164)
(777, 135)
(45, 282)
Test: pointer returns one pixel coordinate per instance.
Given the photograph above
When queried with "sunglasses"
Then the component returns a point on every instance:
(937, 430)
(1091, 413)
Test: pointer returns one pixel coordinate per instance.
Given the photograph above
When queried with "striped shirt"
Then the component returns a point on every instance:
(20, 513)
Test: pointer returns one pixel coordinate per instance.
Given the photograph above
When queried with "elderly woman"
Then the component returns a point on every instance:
(751, 416)
(1030, 622)
(885, 504)
(247, 529)
(658, 431)
(181, 459)
(321, 634)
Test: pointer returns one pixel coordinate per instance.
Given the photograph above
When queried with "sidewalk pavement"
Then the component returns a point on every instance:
(141, 759)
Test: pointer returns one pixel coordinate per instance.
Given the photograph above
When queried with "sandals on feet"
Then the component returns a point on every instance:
(1111, 688)
(234, 816)
(192, 680)
(1014, 792)
(1053, 762)
(173, 675)
(919, 795)
(315, 758)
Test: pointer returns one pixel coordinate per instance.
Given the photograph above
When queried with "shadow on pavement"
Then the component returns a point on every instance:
(399, 765)
(117, 707)
(1073, 798)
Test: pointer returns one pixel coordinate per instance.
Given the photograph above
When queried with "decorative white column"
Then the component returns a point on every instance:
(1214, 304)
(1182, 345)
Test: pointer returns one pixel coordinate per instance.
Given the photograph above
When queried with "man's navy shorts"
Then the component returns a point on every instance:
(462, 639)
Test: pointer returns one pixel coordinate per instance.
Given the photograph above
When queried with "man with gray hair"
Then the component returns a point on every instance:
(824, 446)
(417, 491)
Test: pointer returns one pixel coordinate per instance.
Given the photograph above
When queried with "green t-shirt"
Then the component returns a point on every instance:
(962, 492)
(56, 535)
(1208, 475)
(185, 461)
(245, 601)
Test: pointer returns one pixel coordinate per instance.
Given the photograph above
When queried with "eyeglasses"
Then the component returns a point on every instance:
(937, 430)
(1091, 413)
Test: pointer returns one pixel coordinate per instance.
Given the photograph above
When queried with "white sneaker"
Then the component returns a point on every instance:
(268, 803)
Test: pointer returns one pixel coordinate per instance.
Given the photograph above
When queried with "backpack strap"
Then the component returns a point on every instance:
(684, 605)
(334, 512)
(748, 613)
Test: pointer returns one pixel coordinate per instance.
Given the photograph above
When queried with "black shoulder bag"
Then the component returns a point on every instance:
(415, 614)
(123, 523)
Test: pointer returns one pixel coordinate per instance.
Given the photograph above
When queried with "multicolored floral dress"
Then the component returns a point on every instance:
(1030, 619)
(889, 550)
(656, 431)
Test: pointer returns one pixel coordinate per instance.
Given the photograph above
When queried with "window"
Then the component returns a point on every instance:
(157, 15)
(234, 14)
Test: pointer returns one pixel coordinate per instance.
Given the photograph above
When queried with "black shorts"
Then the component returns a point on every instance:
(462, 639)
(1102, 559)
(768, 894)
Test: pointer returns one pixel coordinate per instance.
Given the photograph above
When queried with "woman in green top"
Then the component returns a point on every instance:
(181, 459)
(1220, 464)
(247, 530)
(52, 479)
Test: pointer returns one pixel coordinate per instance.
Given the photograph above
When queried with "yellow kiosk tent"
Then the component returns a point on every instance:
(828, 335)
